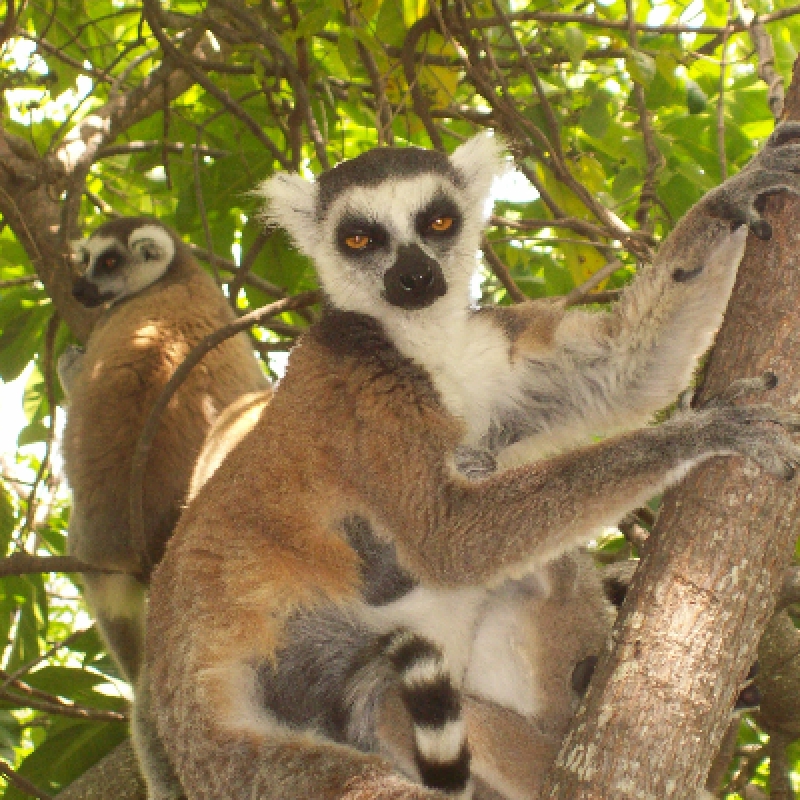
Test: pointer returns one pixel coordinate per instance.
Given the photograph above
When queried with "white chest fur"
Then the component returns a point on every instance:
(468, 359)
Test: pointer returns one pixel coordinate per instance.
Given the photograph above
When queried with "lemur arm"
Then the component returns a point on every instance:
(473, 533)
(605, 372)
(69, 366)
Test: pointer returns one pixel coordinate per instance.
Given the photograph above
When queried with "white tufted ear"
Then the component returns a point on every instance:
(480, 161)
(290, 203)
(152, 243)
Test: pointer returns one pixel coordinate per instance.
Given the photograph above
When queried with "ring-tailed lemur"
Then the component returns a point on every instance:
(159, 305)
(397, 374)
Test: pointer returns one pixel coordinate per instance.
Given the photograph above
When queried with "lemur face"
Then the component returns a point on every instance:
(393, 229)
(121, 258)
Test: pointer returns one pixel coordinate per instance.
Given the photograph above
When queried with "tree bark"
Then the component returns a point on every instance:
(687, 635)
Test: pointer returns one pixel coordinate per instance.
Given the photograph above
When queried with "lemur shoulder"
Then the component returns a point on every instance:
(159, 304)
(364, 429)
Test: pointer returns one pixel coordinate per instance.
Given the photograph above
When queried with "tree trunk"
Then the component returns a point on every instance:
(660, 702)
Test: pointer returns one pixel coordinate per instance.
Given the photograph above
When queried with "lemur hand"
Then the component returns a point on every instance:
(775, 169)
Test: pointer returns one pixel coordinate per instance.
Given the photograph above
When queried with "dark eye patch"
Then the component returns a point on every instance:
(108, 261)
(356, 227)
(441, 207)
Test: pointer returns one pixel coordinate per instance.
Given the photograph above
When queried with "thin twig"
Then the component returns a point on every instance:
(502, 272)
(274, 45)
(201, 207)
(143, 146)
(27, 564)
(150, 427)
(44, 465)
(24, 280)
(382, 105)
(580, 292)
(723, 161)
(151, 13)
(421, 106)
(26, 668)
(652, 154)
(242, 274)
(524, 58)
(597, 21)
(64, 708)
(765, 51)
(23, 784)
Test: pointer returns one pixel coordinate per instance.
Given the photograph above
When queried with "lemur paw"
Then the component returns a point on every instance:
(474, 463)
(760, 433)
(775, 169)
(764, 382)
(69, 364)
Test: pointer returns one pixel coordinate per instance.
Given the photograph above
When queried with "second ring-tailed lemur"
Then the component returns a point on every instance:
(159, 304)
(397, 374)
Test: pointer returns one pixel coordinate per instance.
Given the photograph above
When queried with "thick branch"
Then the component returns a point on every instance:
(688, 632)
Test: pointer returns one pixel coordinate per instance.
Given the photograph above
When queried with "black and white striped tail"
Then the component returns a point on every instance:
(441, 751)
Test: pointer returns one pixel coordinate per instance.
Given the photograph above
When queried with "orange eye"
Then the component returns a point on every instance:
(357, 242)
(441, 224)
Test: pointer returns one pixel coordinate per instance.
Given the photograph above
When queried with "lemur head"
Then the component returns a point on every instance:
(121, 258)
(393, 229)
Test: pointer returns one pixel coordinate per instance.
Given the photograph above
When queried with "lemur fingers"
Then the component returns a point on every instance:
(742, 429)
(775, 169)
(768, 380)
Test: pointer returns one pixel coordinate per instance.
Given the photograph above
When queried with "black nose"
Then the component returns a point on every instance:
(415, 279)
(87, 293)
(582, 674)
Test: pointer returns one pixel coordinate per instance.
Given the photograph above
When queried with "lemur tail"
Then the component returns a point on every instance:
(433, 701)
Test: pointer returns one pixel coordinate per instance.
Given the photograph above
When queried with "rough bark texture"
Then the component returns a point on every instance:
(688, 633)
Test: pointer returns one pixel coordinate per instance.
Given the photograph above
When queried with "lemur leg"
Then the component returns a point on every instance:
(211, 706)
(118, 605)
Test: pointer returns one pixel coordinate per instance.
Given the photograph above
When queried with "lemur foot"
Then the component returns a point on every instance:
(756, 432)
(775, 169)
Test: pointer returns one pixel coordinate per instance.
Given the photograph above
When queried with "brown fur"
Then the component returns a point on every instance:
(556, 627)
(356, 429)
(262, 536)
(131, 354)
(133, 351)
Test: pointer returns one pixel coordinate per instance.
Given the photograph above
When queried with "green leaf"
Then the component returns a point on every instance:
(696, 99)
(642, 67)
(314, 22)
(348, 51)
(596, 117)
(67, 753)
(575, 42)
